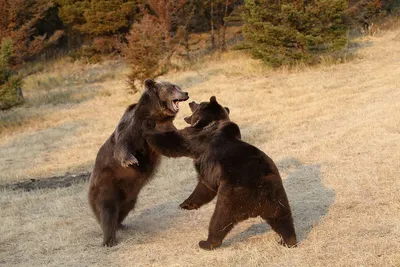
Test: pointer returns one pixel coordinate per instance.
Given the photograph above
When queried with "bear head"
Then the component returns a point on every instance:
(206, 112)
(168, 96)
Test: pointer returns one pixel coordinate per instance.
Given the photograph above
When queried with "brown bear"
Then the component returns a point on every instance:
(125, 162)
(245, 179)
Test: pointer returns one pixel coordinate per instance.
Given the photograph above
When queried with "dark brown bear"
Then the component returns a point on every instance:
(245, 179)
(125, 162)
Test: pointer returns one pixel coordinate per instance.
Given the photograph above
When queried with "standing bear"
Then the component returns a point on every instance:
(125, 162)
(245, 179)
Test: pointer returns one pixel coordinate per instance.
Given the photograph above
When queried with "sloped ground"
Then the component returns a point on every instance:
(333, 131)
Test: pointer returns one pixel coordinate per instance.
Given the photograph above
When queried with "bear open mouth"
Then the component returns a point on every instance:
(175, 104)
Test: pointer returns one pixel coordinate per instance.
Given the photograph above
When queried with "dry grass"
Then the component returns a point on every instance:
(333, 131)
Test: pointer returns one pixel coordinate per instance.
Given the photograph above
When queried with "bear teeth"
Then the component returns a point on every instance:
(175, 106)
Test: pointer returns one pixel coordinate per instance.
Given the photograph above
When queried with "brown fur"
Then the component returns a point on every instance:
(244, 178)
(125, 162)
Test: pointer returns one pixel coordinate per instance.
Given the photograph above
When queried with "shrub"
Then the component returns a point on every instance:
(285, 32)
(97, 18)
(5, 55)
(10, 86)
(145, 50)
(100, 47)
(10, 93)
(154, 40)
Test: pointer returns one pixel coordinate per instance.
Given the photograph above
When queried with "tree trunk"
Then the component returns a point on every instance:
(187, 48)
(219, 37)
(20, 94)
(167, 38)
(223, 46)
(186, 30)
(212, 26)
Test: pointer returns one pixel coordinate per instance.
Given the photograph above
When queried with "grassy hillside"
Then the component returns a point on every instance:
(334, 132)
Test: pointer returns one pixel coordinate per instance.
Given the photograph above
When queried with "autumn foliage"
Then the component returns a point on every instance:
(31, 26)
(145, 50)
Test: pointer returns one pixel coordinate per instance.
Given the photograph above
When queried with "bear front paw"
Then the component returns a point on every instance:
(206, 245)
(110, 242)
(186, 205)
(290, 243)
(130, 160)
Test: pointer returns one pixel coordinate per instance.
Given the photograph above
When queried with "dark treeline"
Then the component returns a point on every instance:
(38, 26)
(148, 33)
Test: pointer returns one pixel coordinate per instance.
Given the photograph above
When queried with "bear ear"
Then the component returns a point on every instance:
(188, 119)
(213, 99)
(227, 110)
(193, 106)
(149, 84)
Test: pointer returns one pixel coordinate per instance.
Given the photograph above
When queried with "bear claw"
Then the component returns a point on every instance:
(188, 206)
(290, 244)
(110, 242)
(131, 160)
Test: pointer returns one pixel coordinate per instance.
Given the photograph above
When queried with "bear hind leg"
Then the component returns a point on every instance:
(221, 224)
(223, 220)
(93, 205)
(109, 210)
(283, 226)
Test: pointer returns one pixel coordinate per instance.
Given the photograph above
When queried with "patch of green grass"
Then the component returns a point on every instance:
(336, 58)
(72, 74)
(43, 82)
(11, 119)
(59, 97)
(58, 83)
(16, 118)
(54, 98)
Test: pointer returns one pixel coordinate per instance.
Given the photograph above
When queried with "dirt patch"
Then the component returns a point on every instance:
(52, 182)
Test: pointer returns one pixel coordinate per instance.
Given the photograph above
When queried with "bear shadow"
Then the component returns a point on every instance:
(154, 216)
(148, 220)
(309, 200)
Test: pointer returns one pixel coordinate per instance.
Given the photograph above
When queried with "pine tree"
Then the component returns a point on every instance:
(284, 32)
